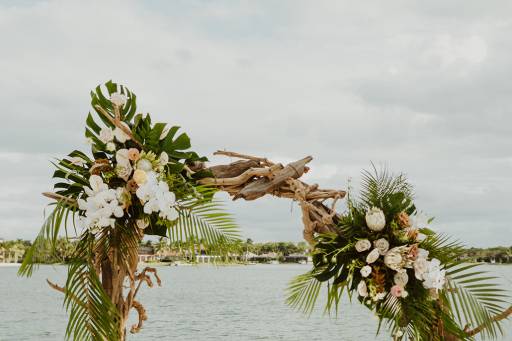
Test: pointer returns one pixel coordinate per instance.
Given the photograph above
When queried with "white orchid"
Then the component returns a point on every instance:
(401, 278)
(156, 197)
(435, 276)
(375, 219)
(100, 205)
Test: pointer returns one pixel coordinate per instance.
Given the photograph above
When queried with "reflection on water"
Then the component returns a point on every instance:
(196, 303)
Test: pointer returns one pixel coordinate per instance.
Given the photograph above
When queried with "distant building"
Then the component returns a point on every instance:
(146, 254)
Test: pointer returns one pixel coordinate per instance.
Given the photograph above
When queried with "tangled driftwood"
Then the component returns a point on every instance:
(253, 177)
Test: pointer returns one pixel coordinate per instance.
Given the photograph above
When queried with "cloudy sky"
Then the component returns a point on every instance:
(422, 87)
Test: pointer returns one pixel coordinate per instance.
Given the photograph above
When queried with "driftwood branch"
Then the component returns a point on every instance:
(501, 316)
(253, 177)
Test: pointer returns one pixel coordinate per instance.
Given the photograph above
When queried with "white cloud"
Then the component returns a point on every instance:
(423, 88)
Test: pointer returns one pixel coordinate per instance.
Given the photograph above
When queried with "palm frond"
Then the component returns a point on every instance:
(207, 223)
(476, 298)
(92, 316)
(302, 292)
(46, 240)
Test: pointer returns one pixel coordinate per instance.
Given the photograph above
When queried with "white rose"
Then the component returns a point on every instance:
(111, 146)
(118, 99)
(362, 290)
(106, 135)
(372, 256)
(120, 135)
(363, 245)
(124, 171)
(401, 278)
(122, 157)
(420, 267)
(382, 245)
(366, 271)
(145, 165)
(375, 219)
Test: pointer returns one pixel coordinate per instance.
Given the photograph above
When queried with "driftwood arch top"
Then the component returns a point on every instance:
(252, 177)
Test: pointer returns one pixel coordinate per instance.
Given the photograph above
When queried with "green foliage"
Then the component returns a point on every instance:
(469, 298)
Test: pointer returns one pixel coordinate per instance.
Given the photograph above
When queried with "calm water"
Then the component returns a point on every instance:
(196, 303)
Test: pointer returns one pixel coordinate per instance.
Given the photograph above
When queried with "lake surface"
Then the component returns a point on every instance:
(197, 303)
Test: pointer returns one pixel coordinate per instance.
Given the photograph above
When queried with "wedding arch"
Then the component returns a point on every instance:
(142, 179)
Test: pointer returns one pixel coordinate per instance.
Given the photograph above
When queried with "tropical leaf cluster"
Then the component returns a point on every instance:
(464, 296)
(136, 181)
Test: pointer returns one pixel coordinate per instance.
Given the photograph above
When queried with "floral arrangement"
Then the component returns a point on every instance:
(140, 179)
(386, 255)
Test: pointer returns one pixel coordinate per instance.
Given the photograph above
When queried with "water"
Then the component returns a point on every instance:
(196, 303)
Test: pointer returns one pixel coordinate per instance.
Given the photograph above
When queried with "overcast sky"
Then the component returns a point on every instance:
(422, 87)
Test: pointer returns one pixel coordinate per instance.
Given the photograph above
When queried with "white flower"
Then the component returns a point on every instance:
(366, 271)
(106, 135)
(120, 135)
(420, 267)
(379, 296)
(372, 256)
(375, 219)
(164, 159)
(156, 197)
(111, 146)
(100, 205)
(77, 161)
(422, 253)
(401, 278)
(363, 245)
(434, 277)
(382, 245)
(118, 99)
(124, 171)
(393, 259)
(139, 176)
(122, 157)
(362, 289)
(145, 165)
(142, 223)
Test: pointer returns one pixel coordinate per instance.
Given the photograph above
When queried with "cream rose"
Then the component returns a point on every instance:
(363, 245)
(366, 271)
(375, 219)
(139, 176)
(124, 171)
(382, 245)
(401, 278)
(145, 165)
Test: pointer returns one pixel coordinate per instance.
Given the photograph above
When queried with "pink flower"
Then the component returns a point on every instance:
(133, 154)
(397, 290)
